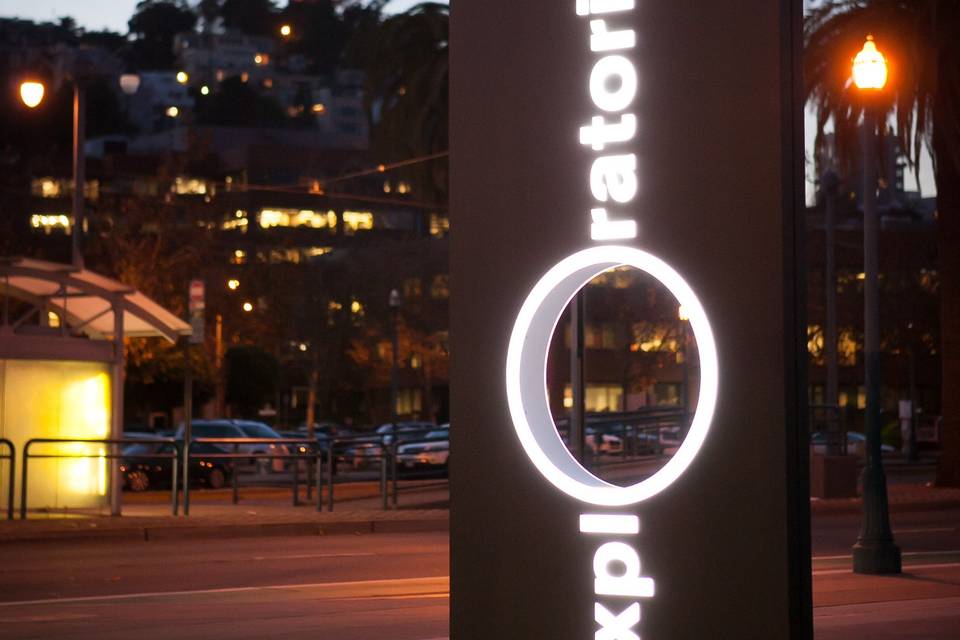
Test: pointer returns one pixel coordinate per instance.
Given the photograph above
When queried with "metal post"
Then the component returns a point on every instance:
(11, 479)
(23, 481)
(331, 467)
(829, 183)
(395, 312)
(912, 453)
(393, 463)
(383, 478)
(295, 473)
(187, 424)
(174, 492)
(116, 418)
(875, 551)
(578, 410)
(79, 170)
(318, 467)
(234, 480)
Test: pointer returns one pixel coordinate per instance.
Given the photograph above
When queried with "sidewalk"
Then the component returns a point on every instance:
(922, 602)
(900, 497)
(261, 512)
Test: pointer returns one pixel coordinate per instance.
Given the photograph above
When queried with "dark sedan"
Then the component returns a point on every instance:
(142, 472)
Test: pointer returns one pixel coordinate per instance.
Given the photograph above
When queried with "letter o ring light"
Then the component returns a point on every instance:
(526, 375)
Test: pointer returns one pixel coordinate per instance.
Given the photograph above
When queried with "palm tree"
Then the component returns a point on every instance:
(922, 41)
(405, 58)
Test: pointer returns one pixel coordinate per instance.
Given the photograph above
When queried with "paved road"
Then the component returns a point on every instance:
(337, 587)
(362, 587)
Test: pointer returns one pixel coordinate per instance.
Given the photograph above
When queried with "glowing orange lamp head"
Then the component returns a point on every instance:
(31, 92)
(870, 67)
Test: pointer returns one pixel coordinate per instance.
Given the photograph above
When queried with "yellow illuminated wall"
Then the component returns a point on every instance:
(56, 399)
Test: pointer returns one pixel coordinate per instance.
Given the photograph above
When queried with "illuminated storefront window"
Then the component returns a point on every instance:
(409, 402)
(49, 187)
(239, 221)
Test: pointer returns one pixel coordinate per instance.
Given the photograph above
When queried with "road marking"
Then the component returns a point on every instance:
(941, 565)
(276, 587)
(314, 555)
(932, 530)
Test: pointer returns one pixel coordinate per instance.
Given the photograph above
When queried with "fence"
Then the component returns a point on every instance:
(11, 455)
(172, 455)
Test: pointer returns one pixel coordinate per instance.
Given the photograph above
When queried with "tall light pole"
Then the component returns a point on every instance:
(31, 93)
(875, 551)
(394, 302)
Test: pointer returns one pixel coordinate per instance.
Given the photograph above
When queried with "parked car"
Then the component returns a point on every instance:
(856, 444)
(141, 472)
(602, 443)
(241, 429)
(431, 451)
(368, 450)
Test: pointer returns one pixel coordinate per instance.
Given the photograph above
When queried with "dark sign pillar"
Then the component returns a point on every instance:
(715, 146)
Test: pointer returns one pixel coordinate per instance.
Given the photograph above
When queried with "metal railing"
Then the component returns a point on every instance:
(11, 455)
(236, 454)
(110, 453)
(642, 433)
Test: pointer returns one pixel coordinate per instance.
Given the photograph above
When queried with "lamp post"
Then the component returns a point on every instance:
(875, 551)
(31, 93)
(394, 302)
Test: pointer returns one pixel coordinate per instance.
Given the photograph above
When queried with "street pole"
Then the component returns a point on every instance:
(577, 435)
(79, 170)
(829, 183)
(394, 303)
(875, 551)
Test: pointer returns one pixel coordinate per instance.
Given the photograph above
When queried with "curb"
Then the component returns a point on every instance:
(228, 531)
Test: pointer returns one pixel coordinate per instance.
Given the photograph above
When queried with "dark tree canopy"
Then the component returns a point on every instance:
(154, 26)
(253, 17)
(237, 104)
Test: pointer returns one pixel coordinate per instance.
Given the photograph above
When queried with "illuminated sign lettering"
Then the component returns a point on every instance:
(613, 85)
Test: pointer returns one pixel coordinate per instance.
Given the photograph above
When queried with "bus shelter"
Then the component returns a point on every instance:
(62, 332)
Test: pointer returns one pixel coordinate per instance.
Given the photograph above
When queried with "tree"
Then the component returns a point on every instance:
(920, 40)
(253, 17)
(251, 379)
(236, 104)
(154, 26)
(406, 60)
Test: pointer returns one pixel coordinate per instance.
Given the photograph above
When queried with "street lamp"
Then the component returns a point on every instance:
(875, 551)
(31, 93)
(286, 30)
(394, 302)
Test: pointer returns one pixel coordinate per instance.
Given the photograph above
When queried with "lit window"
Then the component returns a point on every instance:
(440, 287)
(316, 252)
(182, 77)
(318, 108)
(598, 397)
(815, 343)
(403, 187)
(412, 288)
(189, 186)
(261, 59)
(268, 83)
(53, 320)
(439, 225)
(357, 220)
(172, 112)
(847, 348)
(333, 305)
(356, 308)
(50, 222)
(409, 402)
(244, 76)
(297, 218)
(219, 75)
(233, 284)
(387, 188)
(239, 256)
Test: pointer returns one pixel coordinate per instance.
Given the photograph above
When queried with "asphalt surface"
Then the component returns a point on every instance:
(336, 587)
(358, 587)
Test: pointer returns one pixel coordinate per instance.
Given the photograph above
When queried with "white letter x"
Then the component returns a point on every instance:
(616, 627)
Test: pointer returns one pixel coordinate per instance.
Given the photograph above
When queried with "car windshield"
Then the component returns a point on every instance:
(143, 448)
(207, 430)
(439, 434)
(257, 430)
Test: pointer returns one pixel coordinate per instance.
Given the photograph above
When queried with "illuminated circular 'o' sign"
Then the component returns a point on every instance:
(526, 375)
